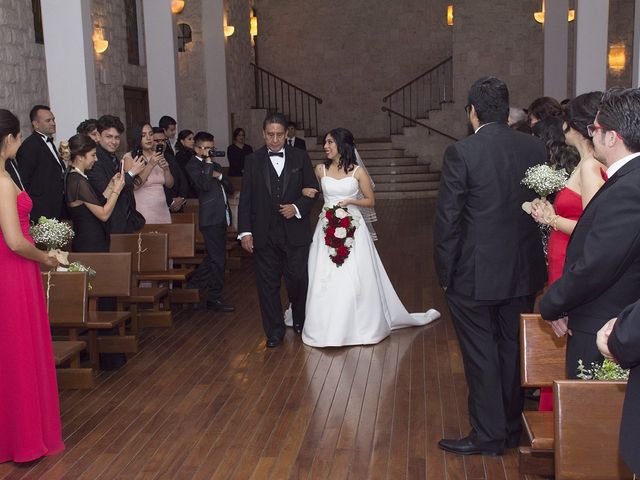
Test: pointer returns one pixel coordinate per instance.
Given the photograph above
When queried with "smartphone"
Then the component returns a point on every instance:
(159, 148)
(137, 152)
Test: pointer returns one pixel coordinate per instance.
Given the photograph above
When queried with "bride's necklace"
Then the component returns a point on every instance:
(74, 169)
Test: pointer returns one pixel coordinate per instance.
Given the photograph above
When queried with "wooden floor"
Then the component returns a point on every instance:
(207, 400)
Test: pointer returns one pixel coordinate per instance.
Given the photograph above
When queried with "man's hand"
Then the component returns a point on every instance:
(560, 327)
(247, 243)
(602, 338)
(288, 211)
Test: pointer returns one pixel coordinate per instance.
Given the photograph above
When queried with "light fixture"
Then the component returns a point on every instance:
(228, 30)
(449, 14)
(539, 16)
(617, 57)
(100, 45)
(177, 6)
(254, 26)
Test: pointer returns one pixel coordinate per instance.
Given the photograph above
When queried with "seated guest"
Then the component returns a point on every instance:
(292, 140)
(87, 208)
(542, 108)
(236, 152)
(213, 191)
(89, 127)
(184, 152)
(151, 201)
(175, 195)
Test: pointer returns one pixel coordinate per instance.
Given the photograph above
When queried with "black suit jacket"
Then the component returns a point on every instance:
(485, 246)
(212, 205)
(42, 176)
(601, 273)
(255, 208)
(299, 143)
(99, 176)
(624, 344)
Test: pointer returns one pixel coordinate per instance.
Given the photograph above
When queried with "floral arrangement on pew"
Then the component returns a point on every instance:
(51, 235)
(544, 180)
(339, 227)
(607, 370)
(79, 267)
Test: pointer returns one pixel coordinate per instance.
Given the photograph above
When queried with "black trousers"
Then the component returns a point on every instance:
(581, 346)
(210, 273)
(273, 261)
(489, 337)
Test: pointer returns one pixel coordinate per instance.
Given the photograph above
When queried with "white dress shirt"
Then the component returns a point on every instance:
(52, 148)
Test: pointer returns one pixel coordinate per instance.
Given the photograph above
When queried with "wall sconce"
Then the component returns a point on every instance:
(449, 15)
(177, 6)
(228, 30)
(100, 45)
(617, 57)
(539, 16)
(254, 25)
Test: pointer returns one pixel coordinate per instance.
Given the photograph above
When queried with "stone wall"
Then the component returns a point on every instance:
(23, 73)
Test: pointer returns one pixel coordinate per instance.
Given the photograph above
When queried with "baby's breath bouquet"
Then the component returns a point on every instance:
(51, 235)
(607, 370)
(544, 180)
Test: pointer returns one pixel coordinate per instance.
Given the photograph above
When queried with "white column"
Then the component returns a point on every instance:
(68, 47)
(556, 46)
(161, 52)
(215, 70)
(635, 64)
(592, 19)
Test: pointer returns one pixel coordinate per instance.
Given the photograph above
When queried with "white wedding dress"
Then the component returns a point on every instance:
(354, 304)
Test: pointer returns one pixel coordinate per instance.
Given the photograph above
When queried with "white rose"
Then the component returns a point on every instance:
(332, 251)
(341, 213)
(325, 222)
(341, 232)
(348, 242)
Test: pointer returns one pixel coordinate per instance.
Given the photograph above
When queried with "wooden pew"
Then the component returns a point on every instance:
(587, 425)
(66, 297)
(542, 360)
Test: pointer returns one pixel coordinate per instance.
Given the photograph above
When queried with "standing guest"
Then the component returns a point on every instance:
(176, 194)
(125, 218)
(516, 115)
(184, 153)
(89, 127)
(542, 108)
(29, 410)
(88, 208)
(292, 140)
(236, 153)
(151, 201)
(214, 217)
(619, 340)
(601, 273)
(170, 127)
(488, 257)
(40, 167)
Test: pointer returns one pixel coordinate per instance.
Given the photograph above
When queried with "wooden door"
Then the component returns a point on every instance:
(136, 107)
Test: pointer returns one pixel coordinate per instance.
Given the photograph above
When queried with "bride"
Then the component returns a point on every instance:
(353, 303)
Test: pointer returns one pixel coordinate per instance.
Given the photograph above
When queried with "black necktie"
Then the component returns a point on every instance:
(50, 140)
(276, 154)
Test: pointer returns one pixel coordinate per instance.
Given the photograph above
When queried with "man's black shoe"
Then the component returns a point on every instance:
(218, 306)
(470, 446)
(297, 328)
(273, 342)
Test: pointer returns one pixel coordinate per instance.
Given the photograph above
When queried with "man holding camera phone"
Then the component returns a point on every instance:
(215, 216)
(175, 195)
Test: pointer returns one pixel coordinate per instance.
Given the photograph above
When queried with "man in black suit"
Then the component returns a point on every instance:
(273, 221)
(619, 340)
(110, 129)
(175, 195)
(215, 217)
(170, 127)
(292, 140)
(40, 167)
(489, 260)
(601, 273)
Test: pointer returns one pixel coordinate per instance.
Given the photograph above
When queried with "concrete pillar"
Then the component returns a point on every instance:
(161, 56)
(635, 62)
(556, 46)
(592, 19)
(215, 70)
(68, 46)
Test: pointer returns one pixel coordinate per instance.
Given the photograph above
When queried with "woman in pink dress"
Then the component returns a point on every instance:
(585, 180)
(151, 201)
(29, 409)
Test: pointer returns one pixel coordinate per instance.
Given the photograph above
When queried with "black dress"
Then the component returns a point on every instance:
(236, 158)
(183, 155)
(91, 233)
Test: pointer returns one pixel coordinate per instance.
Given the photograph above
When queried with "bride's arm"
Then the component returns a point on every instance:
(364, 182)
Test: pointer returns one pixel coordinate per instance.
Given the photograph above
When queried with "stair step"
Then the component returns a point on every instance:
(404, 178)
(406, 195)
(360, 145)
(397, 169)
(406, 186)
(384, 162)
(366, 154)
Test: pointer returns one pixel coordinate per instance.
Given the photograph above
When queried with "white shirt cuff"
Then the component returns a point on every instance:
(243, 234)
(298, 216)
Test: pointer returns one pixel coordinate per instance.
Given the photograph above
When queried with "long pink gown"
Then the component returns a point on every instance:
(29, 409)
(151, 201)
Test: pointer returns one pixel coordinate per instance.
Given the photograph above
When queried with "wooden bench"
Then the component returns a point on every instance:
(542, 360)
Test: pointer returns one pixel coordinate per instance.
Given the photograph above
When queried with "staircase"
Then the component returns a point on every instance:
(396, 175)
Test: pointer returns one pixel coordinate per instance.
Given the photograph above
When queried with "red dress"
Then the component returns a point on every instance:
(29, 409)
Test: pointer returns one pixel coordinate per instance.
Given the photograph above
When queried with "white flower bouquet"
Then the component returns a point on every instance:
(51, 235)
(544, 180)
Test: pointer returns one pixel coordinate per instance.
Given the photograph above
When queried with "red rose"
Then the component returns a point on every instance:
(342, 251)
(351, 232)
(345, 222)
(336, 242)
(329, 214)
(327, 240)
(331, 231)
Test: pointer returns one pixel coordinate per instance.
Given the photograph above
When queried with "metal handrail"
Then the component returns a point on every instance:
(418, 122)
(432, 69)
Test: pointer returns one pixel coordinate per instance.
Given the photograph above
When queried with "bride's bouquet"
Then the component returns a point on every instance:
(51, 235)
(339, 227)
(544, 180)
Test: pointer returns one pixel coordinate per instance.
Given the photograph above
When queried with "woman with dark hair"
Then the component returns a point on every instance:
(236, 152)
(149, 185)
(184, 153)
(88, 208)
(351, 303)
(586, 179)
(560, 155)
(29, 409)
(543, 107)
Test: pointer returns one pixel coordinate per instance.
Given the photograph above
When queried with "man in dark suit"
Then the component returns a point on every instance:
(292, 140)
(110, 129)
(40, 167)
(273, 221)
(601, 272)
(215, 217)
(175, 194)
(489, 260)
(170, 127)
(619, 340)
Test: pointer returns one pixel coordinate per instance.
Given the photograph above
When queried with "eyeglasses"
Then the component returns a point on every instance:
(467, 109)
(592, 128)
